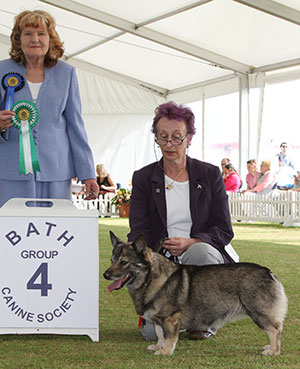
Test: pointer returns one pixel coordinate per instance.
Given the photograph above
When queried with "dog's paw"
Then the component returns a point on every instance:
(163, 352)
(153, 347)
(268, 352)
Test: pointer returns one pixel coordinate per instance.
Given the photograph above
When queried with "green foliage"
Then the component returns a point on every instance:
(236, 346)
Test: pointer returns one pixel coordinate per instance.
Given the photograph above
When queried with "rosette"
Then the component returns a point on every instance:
(26, 117)
(11, 82)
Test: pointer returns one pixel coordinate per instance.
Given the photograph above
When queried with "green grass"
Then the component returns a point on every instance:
(236, 346)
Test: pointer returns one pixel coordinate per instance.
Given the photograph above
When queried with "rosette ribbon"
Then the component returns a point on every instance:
(11, 82)
(26, 117)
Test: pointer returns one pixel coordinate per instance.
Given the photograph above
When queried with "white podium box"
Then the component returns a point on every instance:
(49, 269)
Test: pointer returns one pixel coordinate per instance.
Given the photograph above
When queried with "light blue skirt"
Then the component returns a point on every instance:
(35, 190)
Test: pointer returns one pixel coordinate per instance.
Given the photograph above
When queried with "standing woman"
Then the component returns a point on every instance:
(180, 200)
(59, 149)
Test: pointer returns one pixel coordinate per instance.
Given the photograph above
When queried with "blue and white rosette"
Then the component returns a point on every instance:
(26, 117)
(11, 82)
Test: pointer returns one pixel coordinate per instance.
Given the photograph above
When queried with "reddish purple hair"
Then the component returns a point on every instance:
(171, 110)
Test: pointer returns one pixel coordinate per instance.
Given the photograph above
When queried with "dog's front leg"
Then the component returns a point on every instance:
(161, 339)
(170, 344)
(170, 334)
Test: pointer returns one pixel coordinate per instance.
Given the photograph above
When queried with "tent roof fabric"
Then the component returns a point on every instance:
(166, 46)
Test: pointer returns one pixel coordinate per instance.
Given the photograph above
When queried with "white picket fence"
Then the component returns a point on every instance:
(102, 204)
(276, 207)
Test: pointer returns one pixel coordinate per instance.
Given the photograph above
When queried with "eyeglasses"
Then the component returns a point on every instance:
(176, 141)
(284, 146)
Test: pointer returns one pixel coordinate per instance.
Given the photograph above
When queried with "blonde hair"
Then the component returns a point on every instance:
(267, 163)
(36, 18)
(102, 172)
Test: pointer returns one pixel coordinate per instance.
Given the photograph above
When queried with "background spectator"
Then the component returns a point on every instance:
(224, 162)
(232, 180)
(252, 175)
(77, 187)
(285, 171)
(296, 186)
(105, 181)
(266, 179)
(284, 160)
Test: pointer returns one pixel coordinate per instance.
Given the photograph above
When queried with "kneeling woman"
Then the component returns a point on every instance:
(180, 200)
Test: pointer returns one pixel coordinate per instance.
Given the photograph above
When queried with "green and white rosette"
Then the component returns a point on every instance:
(25, 119)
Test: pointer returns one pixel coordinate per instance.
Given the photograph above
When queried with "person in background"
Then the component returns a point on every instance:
(78, 188)
(180, 203)
(59, 137)
(285, 171)
(232, 180)
(265, 181)
(296, 186)
(252, 175)
(224, 162)
(105, 181)
(284, 160)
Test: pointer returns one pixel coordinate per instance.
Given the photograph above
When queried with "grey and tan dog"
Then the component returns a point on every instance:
(175, 296)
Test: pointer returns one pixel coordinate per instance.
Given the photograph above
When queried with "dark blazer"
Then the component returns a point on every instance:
(210, 215)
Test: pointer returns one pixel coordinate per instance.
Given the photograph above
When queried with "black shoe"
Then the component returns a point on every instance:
(200, 335)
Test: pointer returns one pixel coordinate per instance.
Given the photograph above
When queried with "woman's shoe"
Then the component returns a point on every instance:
(200, 335)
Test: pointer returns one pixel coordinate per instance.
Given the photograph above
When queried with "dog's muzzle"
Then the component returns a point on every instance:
(118, 283)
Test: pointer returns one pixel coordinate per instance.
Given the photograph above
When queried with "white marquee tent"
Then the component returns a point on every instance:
(132, 55)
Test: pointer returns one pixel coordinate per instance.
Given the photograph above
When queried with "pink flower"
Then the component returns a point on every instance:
(123, 196)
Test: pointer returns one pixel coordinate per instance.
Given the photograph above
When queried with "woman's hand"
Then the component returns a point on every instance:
(178, 245)
(5, 116)
(92, 189)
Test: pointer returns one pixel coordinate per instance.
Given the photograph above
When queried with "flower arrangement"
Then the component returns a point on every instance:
(122, 197)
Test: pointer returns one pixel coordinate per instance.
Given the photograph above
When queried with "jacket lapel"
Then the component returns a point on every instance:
(196, 180)
(158, 191)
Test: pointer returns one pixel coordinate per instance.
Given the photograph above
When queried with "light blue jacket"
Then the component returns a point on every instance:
(60, 137)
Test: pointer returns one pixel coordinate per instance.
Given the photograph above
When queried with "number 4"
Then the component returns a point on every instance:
(44, 286)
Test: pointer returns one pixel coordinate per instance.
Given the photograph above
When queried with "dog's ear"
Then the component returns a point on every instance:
(140, 244)
(114, 239)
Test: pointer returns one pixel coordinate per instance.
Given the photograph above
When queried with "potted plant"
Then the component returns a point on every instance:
(122, 201)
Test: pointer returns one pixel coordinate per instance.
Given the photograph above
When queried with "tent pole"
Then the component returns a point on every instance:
(244, 123)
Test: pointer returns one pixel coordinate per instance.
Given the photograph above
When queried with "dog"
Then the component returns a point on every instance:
(175, 296)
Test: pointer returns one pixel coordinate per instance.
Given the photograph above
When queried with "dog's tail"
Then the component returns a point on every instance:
(281, 305)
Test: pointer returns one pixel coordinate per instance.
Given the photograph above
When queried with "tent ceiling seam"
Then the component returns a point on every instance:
(273, 8)
(146, 33)
(96, 44)
(118, 77)
(277, 66)
(174, 12)
(204, 83)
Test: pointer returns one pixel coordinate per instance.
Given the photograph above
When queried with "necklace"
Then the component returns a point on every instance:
(169, 186)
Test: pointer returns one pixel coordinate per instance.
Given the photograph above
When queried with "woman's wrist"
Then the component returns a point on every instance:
(192, 241)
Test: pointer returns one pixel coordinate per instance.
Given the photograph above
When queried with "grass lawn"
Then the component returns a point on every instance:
(237, 345)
